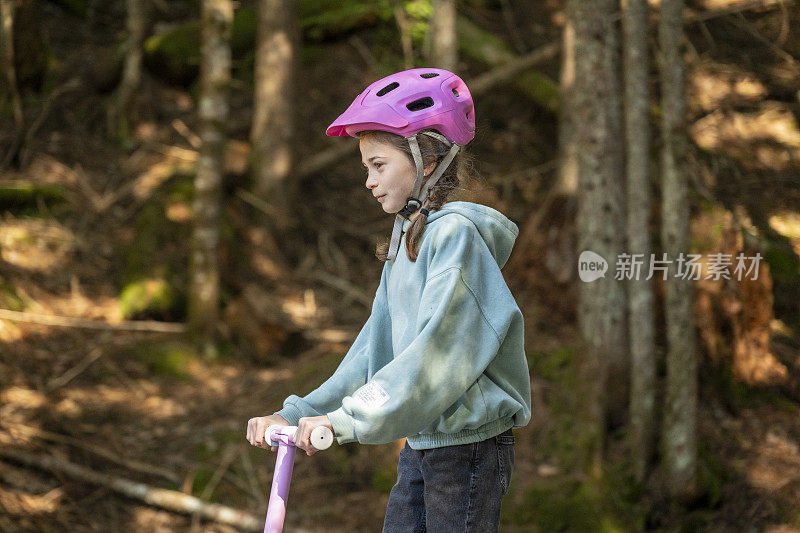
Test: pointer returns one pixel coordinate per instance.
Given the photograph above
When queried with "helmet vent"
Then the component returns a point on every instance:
(455, 93)
(392, 86)
(419, 104)
(429, 75)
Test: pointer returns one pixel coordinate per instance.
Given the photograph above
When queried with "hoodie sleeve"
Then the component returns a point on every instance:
(455, 344)
(352, 371)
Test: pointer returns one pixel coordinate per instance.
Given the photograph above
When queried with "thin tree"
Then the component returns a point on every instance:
(601, 310)
(273, 114)
(640, 291)
(567, 183)
(443, 40)
(680, 417)
(404, 22)
(215, 78)
(10, 74)
(618, 385)
(117, 112)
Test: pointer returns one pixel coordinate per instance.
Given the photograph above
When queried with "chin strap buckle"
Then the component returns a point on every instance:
(412, 204)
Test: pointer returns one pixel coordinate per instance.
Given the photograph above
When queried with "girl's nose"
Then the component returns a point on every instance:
(371, 181)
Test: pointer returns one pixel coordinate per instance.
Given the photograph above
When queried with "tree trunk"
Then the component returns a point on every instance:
(444, 45)
(680, 418)
(117, 113)
(640, 291)
(273, 113)
(215, 77)
(601, 312)
(619, 372)
(30, 49)
(567, 184)
(10, 74)
(401, 18)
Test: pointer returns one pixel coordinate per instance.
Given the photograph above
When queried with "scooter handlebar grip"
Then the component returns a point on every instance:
(268, 434)
(321, 438)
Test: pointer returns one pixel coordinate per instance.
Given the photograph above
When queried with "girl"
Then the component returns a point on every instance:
(440, 360)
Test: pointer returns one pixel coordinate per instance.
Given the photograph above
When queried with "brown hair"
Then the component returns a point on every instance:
(432, 151)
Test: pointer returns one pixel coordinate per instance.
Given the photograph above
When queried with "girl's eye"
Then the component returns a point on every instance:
(378, 165)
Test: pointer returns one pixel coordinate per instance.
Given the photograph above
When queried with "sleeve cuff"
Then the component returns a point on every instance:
(343, 427)
(291, 413)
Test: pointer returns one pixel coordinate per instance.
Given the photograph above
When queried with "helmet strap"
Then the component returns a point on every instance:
(418, 193)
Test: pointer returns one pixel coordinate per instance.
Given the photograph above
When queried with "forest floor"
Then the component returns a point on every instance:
(144, 406)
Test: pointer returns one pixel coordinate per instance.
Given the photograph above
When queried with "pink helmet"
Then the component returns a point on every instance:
(410, 101)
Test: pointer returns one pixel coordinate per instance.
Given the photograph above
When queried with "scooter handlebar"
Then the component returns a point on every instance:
(321, 436)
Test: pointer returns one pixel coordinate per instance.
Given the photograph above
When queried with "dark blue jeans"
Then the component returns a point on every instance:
(451, 489)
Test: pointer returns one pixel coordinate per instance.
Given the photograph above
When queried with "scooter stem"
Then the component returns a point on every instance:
(279, 493)
(283, 437)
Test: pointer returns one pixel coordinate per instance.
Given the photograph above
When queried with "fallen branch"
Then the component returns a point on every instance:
(321, 160)
(699, 16)
(342, 285)
(506, 71)
(225, 463)
(70, 322)
(743, 23)
(264, 207)
(166, 499)
(108, 455)
(71, 85)
(331, 335)
(250, 470)
(75, 371)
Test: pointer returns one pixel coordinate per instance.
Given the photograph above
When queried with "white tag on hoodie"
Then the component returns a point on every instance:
(371, 395)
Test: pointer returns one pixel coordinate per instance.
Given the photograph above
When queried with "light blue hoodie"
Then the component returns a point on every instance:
(441, 359)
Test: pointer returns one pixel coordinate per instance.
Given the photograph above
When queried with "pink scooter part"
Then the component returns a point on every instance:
(283, 438)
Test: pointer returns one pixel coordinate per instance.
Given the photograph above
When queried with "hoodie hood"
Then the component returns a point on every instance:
(497, 231)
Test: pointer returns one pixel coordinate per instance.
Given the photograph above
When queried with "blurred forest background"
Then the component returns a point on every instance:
(182, 247)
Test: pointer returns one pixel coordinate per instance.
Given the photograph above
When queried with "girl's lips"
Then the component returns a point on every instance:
(381, 197)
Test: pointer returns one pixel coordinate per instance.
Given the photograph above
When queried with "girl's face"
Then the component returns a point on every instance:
(390, 173)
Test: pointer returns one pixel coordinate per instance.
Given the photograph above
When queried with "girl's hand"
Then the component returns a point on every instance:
(257, 426)
(302, 437)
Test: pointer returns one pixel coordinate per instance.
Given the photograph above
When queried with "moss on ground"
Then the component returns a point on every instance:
(167, 359)
(9, 299)
(30, 199)
(153, 282)
(563, 504)
(153, 294)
